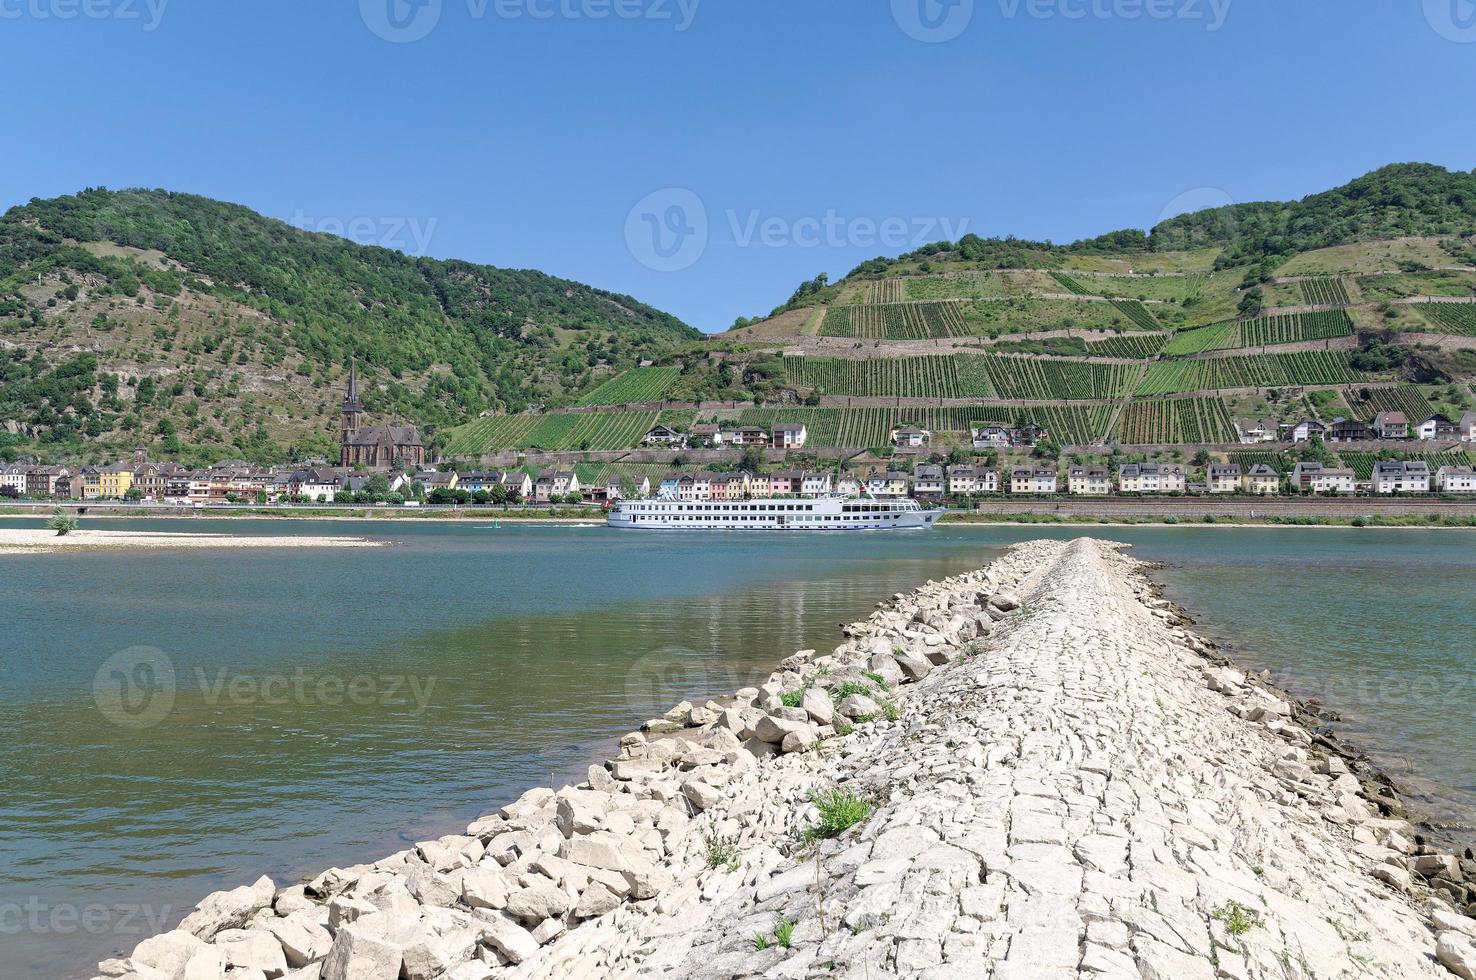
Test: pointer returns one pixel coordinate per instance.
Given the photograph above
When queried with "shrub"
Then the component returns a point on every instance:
(840, 810)
(62, 523)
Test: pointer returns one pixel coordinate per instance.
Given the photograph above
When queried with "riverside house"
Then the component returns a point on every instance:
(1392, 476)
(1224, 477)
(1261, 480)
(889, 484)
(990, 435)
(1031, 479)
(115, 481)
(1391, 425)
(928, 481)
(1311, 477)
(815, 484)
(13, 478)
(42, 481)
(1090, 481)
(1455, 479)
(964, 480)
(847, 485)
(554, 483)
(760, 485)
(1151, 478)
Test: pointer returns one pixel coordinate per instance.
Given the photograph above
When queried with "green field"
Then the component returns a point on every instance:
(992, 318)
(1406, 284)
(963, 376)
(1459, 318)
(999, 284)
(1266, 331)
(1261, 371)
(1175, 420)
(634, 387)
(1137, 313)
(1280, 462)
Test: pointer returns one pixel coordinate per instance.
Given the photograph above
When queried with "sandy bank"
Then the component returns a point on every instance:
(1032, 771)
(27, 541)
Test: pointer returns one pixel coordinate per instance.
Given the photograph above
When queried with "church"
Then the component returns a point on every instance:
(377, 448)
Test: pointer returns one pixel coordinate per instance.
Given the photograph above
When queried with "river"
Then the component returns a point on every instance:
(176, 722)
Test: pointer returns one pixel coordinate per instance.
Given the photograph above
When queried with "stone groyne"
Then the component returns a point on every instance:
(1030, 771)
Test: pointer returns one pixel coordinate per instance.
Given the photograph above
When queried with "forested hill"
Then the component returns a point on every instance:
(239, 328)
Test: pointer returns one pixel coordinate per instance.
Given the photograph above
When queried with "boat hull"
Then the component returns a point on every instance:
(772, 515)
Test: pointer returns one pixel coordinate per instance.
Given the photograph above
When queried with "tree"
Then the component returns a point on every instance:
(134, 493)
(62, 523)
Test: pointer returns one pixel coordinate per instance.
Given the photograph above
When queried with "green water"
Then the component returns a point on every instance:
(174, 723)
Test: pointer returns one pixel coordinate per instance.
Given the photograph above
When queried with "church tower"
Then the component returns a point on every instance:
(351, 417)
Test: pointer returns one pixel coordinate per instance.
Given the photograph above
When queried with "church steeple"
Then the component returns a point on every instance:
(353, 407)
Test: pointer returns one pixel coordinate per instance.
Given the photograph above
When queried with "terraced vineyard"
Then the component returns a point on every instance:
(634, 387)
(1401, 398)
(1135, 346)
(1136, 312)
(1040, 379)
(908, 377)
(1175, 420)
(1072, 284)
(896, 321)
(1325, 292)
(1458, 318)
(560, 431)
(1263, 371)
(884, 291)
(1266, 331)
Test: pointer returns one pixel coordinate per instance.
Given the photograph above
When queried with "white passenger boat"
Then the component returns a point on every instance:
(818, 514)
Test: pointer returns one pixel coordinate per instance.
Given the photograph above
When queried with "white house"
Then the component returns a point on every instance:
(14, 478)
(1435, 427)
(1029, 479)
(1391, 425)
(847, 485)
(1224, 478)
(1306, 429)
(707, 434)
(1256, 430)
(555, 483)
(790, 435)
(910, 437)
(1316, 478)
(963, 480)
(1466, 428)
(670, 487)
(815, 484)
(990, 435)
(1392, 476)
(928, 481)
(760, 486)
(1089, 481)
(888, 484)
(1261, 480)
(1455, 479)
(663, 435)
(1151, 478)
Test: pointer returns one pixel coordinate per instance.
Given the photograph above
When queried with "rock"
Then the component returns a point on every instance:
(1455, 953)
(536, 901)
(859, 706)
(702, 795)
(772, 730)
(302, 939)
(343, 909)
(484, 888)
(596, 901)
(1004, 601)
(913, 668)
(249, 950)
(168, 952)
(229, 909)
(1397, 877)
(580, 813)
(799, 741)
(818, 706)
(647, 882)
(515, 943)
(431, 953)
(357, 954)
(884, 665)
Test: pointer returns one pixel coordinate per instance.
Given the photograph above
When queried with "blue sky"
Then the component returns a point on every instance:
(565, 135)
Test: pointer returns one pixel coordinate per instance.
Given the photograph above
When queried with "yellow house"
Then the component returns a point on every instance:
(114, 481)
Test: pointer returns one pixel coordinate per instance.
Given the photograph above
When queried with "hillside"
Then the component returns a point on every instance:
(205, 329)
(1350, 302)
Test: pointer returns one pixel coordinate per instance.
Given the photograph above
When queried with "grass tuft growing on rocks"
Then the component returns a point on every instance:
(876, 678)
(722, 852)
(783, 932)
(840, 810)
(793, 699)
(1238, 919)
